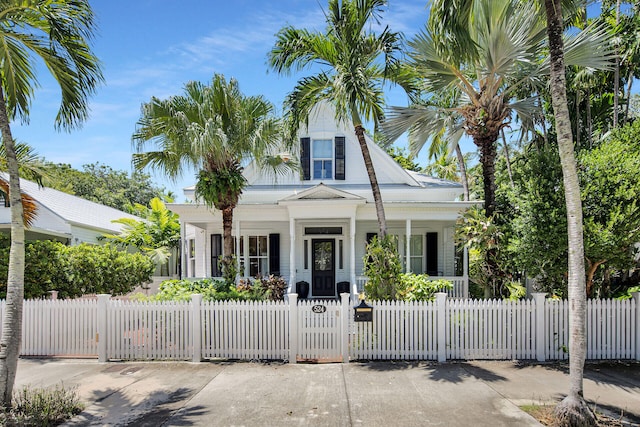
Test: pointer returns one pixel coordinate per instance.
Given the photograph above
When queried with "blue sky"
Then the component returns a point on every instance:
(153, 47)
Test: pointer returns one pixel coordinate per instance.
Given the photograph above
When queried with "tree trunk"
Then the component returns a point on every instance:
(507, 158)
(487, 146)
(12, 323)
(375, 189)
(616, 74)
(229, 266)
(463, 173)
(592, 267)
(629, 86)
(573, 410)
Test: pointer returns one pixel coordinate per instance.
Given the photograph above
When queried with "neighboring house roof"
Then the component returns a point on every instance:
(72, 209)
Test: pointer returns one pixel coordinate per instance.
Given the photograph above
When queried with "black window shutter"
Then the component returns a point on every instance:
(340, 160)
(370, 237)
(432, 254)
(305, 158)
(216, 253)
(274, 254)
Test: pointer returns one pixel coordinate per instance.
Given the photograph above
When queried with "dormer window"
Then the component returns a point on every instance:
(322, 152)
(323, 159)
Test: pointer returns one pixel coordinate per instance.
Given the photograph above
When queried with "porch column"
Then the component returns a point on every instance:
(407, 260)
(292, 255)
(352, 257)
(465, 271)
(185, 250)
(205, 244)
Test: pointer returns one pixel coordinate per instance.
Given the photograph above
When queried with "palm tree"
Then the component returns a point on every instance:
(572, 411)
(30, 167)
(57, 32)
(214, 129)
(157, 234)
(354, 62)
(502, 58)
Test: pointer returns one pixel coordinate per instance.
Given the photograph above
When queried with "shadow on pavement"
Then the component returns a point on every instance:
(153, 410)
(453, 372)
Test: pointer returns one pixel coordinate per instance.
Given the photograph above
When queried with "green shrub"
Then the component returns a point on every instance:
(42, 407)
(258, 289)
(383, 268)
(77, 270)
(418, 287)
(105, 269)
(210, 289)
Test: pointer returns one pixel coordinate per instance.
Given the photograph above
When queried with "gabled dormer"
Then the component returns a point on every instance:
(322, 158)
(328, 151)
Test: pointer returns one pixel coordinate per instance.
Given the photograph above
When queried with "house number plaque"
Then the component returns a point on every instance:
(319, 308)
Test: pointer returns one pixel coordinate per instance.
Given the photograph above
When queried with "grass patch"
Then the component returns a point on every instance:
(544, 414)
(41, 407)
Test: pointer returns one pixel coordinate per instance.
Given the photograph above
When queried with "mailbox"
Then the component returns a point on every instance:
(363, 312)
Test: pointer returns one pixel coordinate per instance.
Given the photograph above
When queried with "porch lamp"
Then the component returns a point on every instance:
(285, 156)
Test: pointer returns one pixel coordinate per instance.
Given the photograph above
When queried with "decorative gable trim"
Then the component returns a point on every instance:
(322, 192)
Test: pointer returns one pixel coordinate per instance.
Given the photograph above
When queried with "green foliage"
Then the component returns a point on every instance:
(261, 289)
(155, 235)
(403, 158)
(488, 257)
(105, 269)
(534, 213)
(77, 270)
(221, 187)
(516, 290)
(45, 269)
(102, 184)
(418, 287)
(383, 268)
(42, 407)
(538, 223)
(272, 288)
(611, 196)
(629, 291)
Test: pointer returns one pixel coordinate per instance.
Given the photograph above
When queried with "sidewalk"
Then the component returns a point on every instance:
(479, 393)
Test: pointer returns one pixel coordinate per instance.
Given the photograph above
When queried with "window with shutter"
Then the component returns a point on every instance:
(274, 254)
(216, 254)
(340, 157)
(305, 158)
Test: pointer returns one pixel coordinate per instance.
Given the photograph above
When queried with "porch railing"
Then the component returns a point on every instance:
(460, 285)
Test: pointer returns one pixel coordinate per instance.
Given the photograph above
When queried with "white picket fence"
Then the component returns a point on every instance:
(446, 329)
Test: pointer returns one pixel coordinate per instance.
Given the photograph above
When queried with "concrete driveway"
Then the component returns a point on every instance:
(479, 393)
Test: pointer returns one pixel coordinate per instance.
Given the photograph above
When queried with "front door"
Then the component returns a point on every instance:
(323, 276)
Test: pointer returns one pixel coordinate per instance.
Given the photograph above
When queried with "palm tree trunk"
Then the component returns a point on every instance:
(507, 158)
(629, 86)
(488, 153)
(375, 189)
(616, 74)
(573, 410)
(12, 323)
(463, 173)
(229, 262)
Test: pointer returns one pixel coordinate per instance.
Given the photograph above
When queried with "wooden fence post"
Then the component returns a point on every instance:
(636, 298)
(196, 327)
(541, 339)
(344, 326)
(103, 302)
(441, 305)
(293, 328)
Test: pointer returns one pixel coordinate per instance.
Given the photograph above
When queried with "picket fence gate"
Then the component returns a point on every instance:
(324, 330)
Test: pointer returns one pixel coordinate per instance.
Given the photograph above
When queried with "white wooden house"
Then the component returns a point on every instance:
(64, 217)
(313, 225)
